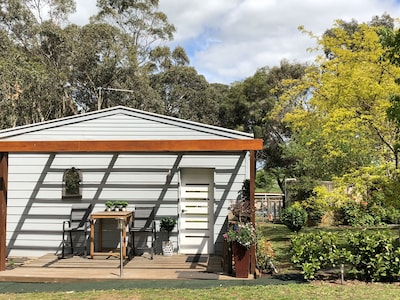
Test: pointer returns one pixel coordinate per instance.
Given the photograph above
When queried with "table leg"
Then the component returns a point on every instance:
(124, 241)
(100, 235)
(91, 238)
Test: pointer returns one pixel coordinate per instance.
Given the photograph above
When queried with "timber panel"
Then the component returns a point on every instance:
(129, 146)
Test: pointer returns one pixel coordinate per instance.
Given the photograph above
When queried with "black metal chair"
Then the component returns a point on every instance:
(143, 226)
(78, 222)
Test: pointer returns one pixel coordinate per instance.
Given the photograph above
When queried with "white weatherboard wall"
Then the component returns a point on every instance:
(35, 209)
(119, 124)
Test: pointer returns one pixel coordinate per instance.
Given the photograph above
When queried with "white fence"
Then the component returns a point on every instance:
(269, 206)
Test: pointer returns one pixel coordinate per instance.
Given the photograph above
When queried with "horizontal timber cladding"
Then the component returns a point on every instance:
(119, 124)
(36, 210)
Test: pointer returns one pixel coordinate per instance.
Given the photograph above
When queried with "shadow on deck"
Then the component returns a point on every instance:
(49, 268)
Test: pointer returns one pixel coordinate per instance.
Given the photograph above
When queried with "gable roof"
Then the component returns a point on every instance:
(119, 123)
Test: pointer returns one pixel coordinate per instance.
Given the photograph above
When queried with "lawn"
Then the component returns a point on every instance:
(302, 291)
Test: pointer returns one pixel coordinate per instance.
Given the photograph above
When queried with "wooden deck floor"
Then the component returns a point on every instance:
(51, 269)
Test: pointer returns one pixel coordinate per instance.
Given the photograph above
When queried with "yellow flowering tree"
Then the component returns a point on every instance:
(339, 121)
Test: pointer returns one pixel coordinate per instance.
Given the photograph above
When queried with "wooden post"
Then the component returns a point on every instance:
(3, 208)
(252, 206)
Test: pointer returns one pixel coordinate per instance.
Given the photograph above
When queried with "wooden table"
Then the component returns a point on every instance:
(126, 215)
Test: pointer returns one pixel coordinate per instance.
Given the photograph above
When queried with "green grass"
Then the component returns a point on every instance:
(276, 292)
(279, 236)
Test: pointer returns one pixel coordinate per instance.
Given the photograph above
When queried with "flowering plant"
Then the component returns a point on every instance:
(242, 233)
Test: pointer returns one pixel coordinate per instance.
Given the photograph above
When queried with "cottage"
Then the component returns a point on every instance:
(122, 154)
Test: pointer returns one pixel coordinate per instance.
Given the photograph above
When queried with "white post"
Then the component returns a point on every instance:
(285, 187)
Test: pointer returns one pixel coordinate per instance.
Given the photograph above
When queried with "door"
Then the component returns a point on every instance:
(196, 213)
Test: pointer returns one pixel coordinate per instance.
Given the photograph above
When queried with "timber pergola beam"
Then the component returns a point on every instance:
(130, 146)
(102, 146)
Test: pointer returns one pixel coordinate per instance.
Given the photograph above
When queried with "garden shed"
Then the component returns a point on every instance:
(121, 154)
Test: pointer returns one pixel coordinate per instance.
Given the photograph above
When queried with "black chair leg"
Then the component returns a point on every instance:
(130, 242)
(70, 240)
(152, 249)
(133, 245)
(63, 245)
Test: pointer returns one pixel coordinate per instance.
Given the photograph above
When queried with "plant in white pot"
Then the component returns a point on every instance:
(109, 205)
(123, 204)
(117, 205)
(167, 224)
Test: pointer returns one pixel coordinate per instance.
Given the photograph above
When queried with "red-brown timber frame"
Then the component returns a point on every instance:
(117, 146)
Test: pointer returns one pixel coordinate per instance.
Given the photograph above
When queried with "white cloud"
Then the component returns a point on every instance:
(84, 10)
(228, 40)
(257, 33)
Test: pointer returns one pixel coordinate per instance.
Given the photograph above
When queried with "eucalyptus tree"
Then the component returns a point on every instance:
(114, 54)
(103, 71)
(184, 93)
(51, 68)
(31, 63)
(141, 20)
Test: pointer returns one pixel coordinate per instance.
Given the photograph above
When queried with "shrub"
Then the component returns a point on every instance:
(294, 217)
(315, 210)
(264, 254)
(371, 256)
(392, 216)
(314, 251)
(355, 214)
(375, 257)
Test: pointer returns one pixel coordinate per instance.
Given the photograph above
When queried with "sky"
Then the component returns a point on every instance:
(228, 40)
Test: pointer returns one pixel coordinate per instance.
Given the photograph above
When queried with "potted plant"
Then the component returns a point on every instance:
(115, 206)
(119, 205)
(123, 205)
(241, 237)
(241, 233)
(167, 224)
(109, 205)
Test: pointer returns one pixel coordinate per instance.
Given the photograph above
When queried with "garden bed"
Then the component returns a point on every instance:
(280, 238)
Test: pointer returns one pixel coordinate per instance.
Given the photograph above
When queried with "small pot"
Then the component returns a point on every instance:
(168, 248)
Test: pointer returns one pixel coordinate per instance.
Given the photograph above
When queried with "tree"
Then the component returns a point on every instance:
(31, 60)
(390, 41)
(341, 123)
(120, 65)
(101, 58)
(146, 27)
(52, 71)
(277, 161)
(248, 106)
(184, 92)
